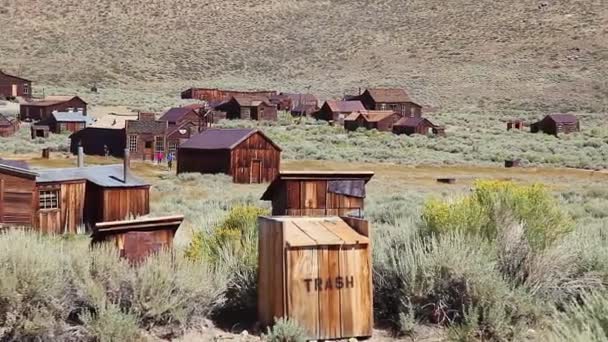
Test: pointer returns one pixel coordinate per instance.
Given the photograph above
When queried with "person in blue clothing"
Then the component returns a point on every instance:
(170, 160)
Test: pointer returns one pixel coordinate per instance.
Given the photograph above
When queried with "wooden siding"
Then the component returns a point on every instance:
(13, 86)
(255, 160)
(64, 127)
(122, 203)
(214, 95)
(34, 112)
(135, 246)
(404, 109)
(9, 130)
(16, 200)
(425, 127)
(69, 216)
(203, 161)
(313, 198)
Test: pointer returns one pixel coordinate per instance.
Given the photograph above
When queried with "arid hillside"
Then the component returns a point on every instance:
(483, 54)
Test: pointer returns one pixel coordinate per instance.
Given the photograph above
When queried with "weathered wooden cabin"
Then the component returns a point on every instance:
(247, 155)
(179, 116)
(304, 110)
(13, 86)
(394, 99)
(248, 108)
(215, 95)
(318, 193)
(301, 99)
(62, 122)
(282, 102)
(137, 239)
(382, 120)
(8, 126)
(39, 131)
(146, 136)
(36, 110)
(108, 132)
(337, 111)
(412, 125)
(316, 271)
(17, 189)
(556, 124)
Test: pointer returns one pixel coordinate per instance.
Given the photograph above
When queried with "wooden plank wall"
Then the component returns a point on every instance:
(271, 277)
(122, 203)
(216, 161)
(312, 198)
(256, 147)
(16, 200)
(70, 214)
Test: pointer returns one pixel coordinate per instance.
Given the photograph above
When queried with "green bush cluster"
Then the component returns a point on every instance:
(285, 330)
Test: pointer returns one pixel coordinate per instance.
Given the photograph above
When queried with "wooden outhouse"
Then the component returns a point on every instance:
(43, 109)
(556, 123)
(13, 86)
(39, 131)
(8, 126)
(318, 193)
(318, 272)
(139, 238)
(247, 155)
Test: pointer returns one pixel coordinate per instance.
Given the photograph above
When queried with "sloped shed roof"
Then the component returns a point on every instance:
(51, 100)
(13, 76)
(110, 176)
(72, 117)
(146, 126)
(20, 164)
(364, 176)
(175, 114)
(389, 95)
(563, 118)
(412, 122)
(221, 139)
(345, 106)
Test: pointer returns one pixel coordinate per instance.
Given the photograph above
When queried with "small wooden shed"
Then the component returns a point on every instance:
(318, 193)
(42, 109)
(382, 120)
(139, 238)
(248, 107)
(412, 125)
(318, 272)
(8, 126)
(556, 123)
(337, 111)
(247, 155)
(17, 188)
(39, 131)
(62, 122)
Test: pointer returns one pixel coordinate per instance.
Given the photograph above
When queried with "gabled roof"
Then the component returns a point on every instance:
(345, 106)
(186, 128)
(72, 117)
(113, 121)
(13, 76)
(314, 175)
(412, 122)
(176, 114)
(389, 95)
(370, 115)
(4, 121)
(298, 99)
(146, 127)
(110, 176)
(563, 118)
(50, 101)
(222, 139)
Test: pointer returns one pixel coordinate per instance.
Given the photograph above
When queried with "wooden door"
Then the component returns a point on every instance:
(14, 90)
(148, 150)
(139, 245)
(256, 171)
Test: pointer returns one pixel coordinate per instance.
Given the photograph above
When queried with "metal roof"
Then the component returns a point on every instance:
(221, 139)
(175, 114)
(110, 176)
(72, 117)
(345, 106)
(19, 164)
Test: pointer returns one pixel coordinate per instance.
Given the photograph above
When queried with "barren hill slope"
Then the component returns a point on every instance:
(455, 53)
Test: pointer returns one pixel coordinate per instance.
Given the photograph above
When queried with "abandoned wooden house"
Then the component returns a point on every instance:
(36, 110)
(248, 108)
(216, 95)
(394, 99)
(337, 111)
(556, 123)
(71, 199)
(146, 136)
(382, 120)
(13, 86)
(8, 126)
(318, 193)
(282, 102)
(413, 125)
(62, 122)
(179, 116)
(104, 136)
(301, 99)
(139, 238)
(247, 155)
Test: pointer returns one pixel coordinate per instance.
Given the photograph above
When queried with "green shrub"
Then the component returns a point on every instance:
(111, 324)
(285, 330)
(586, 320)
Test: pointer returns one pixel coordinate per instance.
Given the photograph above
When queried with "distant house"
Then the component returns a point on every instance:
(337, 111)
(382, 120)
(146, 136)
(13, 86)
(61, 122)
(179, 116)
(299, 99)
(248, 108)
(247, 155)
(215, 94)
(394, 99)
(304, 110)
(556, 123)
(283, 102)
(8, 126)
(413, 125)
(43, 109)
(107, 132)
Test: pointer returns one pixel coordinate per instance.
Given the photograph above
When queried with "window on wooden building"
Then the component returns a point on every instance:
(26, 89)
(48, 199)
(172, 146)
(132, 143)
(159, 144)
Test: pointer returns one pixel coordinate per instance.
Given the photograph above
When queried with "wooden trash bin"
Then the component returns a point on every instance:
(317, 271)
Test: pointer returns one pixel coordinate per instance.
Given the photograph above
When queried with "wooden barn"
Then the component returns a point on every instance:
(318, 193)
(413, 125)
(13, 86)
(36, 110)
(179, 116)
(247, 155)
(8, 126)
(215, 95)
(108, 132)
(337, 111)
(382, 120)
(394, 99)
(62, 122)
(139, 238)
(146, 136)
(248, 108)
(556, 123)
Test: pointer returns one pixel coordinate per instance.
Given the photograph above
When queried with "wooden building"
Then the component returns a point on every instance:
(301, 99)
(304, 110)
(62, 122)
(39, 131)
(515, 124)
(13, 86)
(318, 193)
(282, 102)
(556, 123)
(248, 108)
(337, 111)
(37, 110)
(107, 133)
(247, 155)
(394, 99)
(413, 125)
(8, 126)
(17, 189)
(316, 271)
(179, 116)
(382, 120)
(137, 239)
(215, 95)
(146, 136)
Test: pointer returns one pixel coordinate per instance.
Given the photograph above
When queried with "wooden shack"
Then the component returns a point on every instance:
(282, 102)
(146, 136)
(382, 120)
(247, 155)
(337, 111)
(39, 131)
(318, 193)
(248, 107)
(395, 99)
(139, 238)
(62, 122)
(556, 124)
(217, 95)
(8, 126)
(318, 272)
(36, 110)
(412, 125)
(13, 86)
(105, 134)
(17, 188)
(515, 124)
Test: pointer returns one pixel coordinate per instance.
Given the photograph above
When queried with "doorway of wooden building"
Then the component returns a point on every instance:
(14, 90)
(148, 151)
(256, 171)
